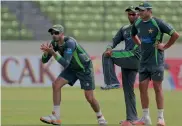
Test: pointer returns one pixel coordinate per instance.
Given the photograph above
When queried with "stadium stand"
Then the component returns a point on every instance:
(96, 20)
(10, 27)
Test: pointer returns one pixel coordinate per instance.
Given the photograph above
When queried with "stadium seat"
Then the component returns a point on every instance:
(11, 27)
(91, 20)
(91, 15)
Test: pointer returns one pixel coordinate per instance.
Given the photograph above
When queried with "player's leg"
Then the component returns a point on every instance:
(157, 77)
(124, 59)
(144, 78)
(110, 77)
(54, 118)
(88, 85)
(62, 79)
(128, 79)
(89, 95)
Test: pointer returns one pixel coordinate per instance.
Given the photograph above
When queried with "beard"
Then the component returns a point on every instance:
(55, 38)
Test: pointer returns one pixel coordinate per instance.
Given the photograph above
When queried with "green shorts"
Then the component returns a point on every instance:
(155, 73)
(86, 77)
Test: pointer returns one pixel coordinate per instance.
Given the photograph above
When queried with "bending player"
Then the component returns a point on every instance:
(77, 65)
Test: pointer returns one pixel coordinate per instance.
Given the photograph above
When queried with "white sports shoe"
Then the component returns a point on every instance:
(143, 121)
(51, 119)
(101, 121)
(160, 122)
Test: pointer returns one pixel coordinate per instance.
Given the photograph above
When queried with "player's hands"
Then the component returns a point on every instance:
(108, 52)
(47, 48)
(43, 46)
(160, 46)
(50, 49)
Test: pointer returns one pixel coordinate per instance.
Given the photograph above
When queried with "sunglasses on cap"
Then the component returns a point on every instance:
(54, 33)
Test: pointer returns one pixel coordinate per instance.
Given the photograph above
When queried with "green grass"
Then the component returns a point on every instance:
(24, 106)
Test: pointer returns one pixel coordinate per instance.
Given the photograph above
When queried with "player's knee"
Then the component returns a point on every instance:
(59, 83)
(56, 85)
(157, 88)
(143, 88)
(89, 98)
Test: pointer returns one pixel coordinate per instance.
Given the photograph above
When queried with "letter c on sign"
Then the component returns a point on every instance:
(5, 72)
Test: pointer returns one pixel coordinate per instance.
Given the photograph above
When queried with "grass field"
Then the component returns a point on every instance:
(24, 106)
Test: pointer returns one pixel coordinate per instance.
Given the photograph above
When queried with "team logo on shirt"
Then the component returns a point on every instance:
(69, 51)
(150, 31)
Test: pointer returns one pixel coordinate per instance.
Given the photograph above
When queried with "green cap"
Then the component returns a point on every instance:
(130, 8)
(144, 6)
(57, 27)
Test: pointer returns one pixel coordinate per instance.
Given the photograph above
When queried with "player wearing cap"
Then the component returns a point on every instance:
(148, 32)
(128, 59)
(77, 66)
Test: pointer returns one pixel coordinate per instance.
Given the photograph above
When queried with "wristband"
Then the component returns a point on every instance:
(44, 55)
(57, 57)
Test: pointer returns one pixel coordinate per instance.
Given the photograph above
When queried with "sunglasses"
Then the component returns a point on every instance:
(55, 33)
(132, 14)
(141, 10)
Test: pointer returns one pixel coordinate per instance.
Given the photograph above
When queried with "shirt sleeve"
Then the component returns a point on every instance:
(117, 39)
(68, 53)
(166, 28)
(133, 30)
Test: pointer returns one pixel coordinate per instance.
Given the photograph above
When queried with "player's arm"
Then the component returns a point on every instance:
(117, 39)
(68, 53)
(168, 29)
(134, 35)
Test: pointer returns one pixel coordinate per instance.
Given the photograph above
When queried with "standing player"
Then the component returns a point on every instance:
(128, 60)
(77, 65)
(148, 31)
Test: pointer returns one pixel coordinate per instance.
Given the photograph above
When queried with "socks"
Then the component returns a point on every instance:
(99, 114)
(56, 109)
(160, 113)
(146, 112)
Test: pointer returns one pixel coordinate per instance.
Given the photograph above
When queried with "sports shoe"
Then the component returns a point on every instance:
(160, 122)
(51, 119)
(143, 121)
(101, 121)
(126, 123)
(108, 87)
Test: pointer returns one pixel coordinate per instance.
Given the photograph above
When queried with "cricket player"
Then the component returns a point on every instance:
(77, 66)
(128, 59)
(148, 32)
